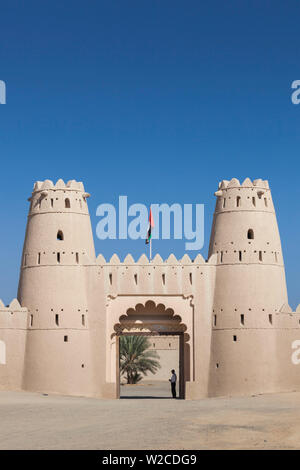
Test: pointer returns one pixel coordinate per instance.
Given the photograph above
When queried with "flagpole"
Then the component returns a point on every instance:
(150, 249)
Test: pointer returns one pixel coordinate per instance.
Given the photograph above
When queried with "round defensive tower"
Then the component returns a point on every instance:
(250, 288)
(58, 250)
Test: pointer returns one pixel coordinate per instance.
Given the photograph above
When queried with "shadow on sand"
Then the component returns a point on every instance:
(147, 397)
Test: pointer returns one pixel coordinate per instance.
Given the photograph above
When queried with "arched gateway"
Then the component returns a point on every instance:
(231, 310)
(157, 315)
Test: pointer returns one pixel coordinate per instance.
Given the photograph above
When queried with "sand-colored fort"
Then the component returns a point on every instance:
(237, 333)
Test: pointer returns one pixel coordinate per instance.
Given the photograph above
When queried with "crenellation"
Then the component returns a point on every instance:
(232, 308)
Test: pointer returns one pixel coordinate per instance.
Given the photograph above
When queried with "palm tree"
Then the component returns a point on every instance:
(136, 359)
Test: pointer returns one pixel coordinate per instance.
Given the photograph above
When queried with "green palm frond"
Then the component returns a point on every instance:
(136, 359)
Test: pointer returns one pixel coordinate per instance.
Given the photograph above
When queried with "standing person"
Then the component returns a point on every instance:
(173, 381)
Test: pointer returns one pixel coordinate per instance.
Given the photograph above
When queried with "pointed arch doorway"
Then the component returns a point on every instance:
(137, 315)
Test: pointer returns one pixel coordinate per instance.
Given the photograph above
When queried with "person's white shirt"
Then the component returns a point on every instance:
(173, 378)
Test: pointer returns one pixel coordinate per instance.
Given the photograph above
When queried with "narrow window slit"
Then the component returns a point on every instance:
(250, 234)
(60, 235)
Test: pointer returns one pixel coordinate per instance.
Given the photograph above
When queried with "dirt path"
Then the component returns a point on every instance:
(35, 421)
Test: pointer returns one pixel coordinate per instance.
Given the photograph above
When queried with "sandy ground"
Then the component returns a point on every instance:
(36, 421)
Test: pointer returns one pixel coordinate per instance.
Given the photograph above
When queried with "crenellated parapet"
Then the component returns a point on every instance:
(71, 185)
(168, 276)
(13, 316)
(245, 229)
(60, 197)
(287, 318)
(247, 183)
(247, 196)
(156, 261)
(231, 310)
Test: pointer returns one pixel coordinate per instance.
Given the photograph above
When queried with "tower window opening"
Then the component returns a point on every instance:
(58, 257)
(56, 319)
(66, 339)
(135, 278)
(224, 202)
(39, 258)
(51, 200)
(215, 320)
(25, 260)
(83, 320)
(80, 203)
(31, 320)
(240, 256)
(266, 202)
(110, 278)
(221, 256)
(254, 201)
(234, 338)
(77, 258)
(260, 256)
(242, 319)
(60, 235)
(270, 319)
(67, 203)
(250, 234)
(238, 201)
(163, 279)
(276, 257)
(191, 278)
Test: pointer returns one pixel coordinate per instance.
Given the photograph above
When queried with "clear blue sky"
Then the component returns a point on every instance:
(156, 100)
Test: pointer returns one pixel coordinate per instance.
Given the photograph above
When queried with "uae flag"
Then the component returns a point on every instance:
(150, 225)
